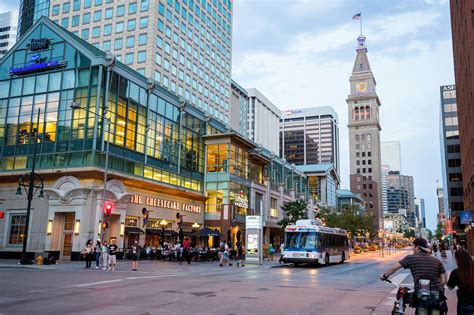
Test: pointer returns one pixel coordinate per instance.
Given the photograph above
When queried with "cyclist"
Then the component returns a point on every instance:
(428, 269)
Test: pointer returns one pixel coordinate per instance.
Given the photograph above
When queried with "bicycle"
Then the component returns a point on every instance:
(404, 298)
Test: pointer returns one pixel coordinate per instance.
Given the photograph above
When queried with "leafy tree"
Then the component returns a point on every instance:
(409, 233)
(294, 211)
(430, 235)
(439, 231)
(349, 219)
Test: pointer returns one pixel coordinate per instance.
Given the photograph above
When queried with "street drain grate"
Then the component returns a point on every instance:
(201, 293)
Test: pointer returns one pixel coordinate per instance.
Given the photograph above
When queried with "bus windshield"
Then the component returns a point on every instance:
(301, 240)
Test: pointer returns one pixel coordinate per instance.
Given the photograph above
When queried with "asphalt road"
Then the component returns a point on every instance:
(205, 288)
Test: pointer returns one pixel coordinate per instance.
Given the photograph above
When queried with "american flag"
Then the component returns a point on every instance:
(357, 16)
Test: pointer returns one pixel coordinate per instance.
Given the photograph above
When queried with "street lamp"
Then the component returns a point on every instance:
(74, 106)
(30, 182)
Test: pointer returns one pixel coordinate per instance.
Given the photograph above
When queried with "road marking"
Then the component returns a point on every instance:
(96, 283)
(148, 277)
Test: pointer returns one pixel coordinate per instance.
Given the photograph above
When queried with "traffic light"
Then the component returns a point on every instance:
(108, 208)
(105, 225)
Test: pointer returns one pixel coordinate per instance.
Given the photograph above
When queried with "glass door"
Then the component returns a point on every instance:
(68, 230)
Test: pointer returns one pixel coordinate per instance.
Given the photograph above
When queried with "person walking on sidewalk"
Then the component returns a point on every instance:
(112, 256)
(135, 254)
(282, 248)
(463, 278)
(87, 253)
(97, 252)
(105, 255)
(435, 249)
(271, 251)
(186, 252)
(442, 250)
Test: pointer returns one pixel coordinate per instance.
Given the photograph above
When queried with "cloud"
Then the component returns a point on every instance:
(410, 58)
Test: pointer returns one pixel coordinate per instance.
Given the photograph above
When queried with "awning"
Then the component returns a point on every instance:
(133, 230)
(206, 232)
(159, 231)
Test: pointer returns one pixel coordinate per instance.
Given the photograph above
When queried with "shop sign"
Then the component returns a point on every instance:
(241, 200)
(38, 44)
(466, 217)
(163, 203)
(37, 64)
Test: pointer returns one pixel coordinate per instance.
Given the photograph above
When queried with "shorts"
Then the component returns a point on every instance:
(134, 257)
(112, 259)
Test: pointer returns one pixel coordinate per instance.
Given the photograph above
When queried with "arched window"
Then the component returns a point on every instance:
(368, 137)
(356, 110)
(357, 138)
(362, 137)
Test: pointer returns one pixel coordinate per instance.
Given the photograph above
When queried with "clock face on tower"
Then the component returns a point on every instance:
(361, 87)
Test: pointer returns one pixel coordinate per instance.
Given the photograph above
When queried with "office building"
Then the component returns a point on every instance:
(30, 12)
(263, 121)
(420, 210)
(364, 134)
(451, 159)
(186, 46)
(395, 222)
(463, 49)
(239, 109)
(58, 79)
(391, 155)
(385, 170)
(401, 195)
(8, 31)
(310, 136)
(346, 198)
(441, 215)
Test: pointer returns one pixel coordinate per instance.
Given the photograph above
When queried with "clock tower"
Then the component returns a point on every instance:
(364, 135)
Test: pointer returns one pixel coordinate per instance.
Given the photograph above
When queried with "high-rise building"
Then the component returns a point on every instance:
(462, 21)
(239, 109)
(186, 46)
(441, 216)
(310, 136)
(7, 31)
(30, 11)
(390, 152)
(263, 121)
(385, 170)
(451, 158)
(364, 134)
(421, 214)
(401, 195)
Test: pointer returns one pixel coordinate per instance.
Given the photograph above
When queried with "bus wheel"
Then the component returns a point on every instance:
(296, 264)
(326, 259)
(343, 257)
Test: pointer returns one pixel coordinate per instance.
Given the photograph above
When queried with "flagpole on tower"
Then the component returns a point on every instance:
(360, 23)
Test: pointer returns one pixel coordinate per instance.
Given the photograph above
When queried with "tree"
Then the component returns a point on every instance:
(349, 219)
(439, 231)
(409, 233)
(294, 211)
(430, 235)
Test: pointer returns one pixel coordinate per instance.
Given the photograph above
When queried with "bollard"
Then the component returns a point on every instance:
(39, 260)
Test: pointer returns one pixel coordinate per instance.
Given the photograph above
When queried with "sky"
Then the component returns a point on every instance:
(300, 53)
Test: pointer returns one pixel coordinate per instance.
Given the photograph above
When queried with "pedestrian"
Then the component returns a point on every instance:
(435, 249)
(112, 255)
(271, 251)
(225, 257)
(240, 254)
(442, 250)
(451, 248)
(282, 248)
(186, 252)
(105, 255)
(87, 253)
(221, 250)
(463, 278)
(97, 252)
(135, 254)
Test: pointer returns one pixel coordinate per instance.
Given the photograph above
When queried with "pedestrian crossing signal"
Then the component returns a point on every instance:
(105, 225)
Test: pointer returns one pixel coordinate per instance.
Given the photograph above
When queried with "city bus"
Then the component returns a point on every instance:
(308, 241)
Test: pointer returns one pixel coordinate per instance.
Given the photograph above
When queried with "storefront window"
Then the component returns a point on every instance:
(214, 203)
(17, 229)
(239, 161)
(273, 208)
(131, 221)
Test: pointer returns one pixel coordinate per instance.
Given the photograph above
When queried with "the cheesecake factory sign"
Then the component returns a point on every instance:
(163, 203)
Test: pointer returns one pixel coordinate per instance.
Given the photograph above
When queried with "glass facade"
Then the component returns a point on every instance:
(171, 143)
(30, 11)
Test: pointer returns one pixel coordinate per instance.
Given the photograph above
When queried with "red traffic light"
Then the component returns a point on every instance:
(108, 208)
